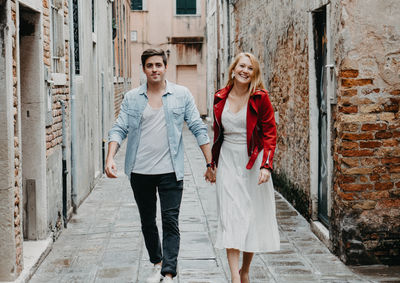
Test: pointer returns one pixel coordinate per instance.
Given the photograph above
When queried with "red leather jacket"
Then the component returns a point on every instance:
(261, 128)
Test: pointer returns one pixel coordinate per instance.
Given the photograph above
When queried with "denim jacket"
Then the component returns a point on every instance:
(179, 106)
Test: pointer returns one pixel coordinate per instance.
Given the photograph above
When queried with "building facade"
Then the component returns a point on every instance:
(122, 51)
(178, 27)
(331, 70)
(54, 111)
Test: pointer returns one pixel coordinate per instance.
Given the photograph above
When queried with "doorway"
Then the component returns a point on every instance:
(320, 57)
(32, 124)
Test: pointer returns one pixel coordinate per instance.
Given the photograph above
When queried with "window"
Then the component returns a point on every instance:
(133, 35)
(137, 5)
(186, 7)
(57, 36)
(75, 16)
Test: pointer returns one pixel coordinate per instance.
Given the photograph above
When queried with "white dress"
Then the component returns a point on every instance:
(246, 210)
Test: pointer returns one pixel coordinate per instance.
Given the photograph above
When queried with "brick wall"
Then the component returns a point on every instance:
(366, 222)
(365, 202)
(54, 131)
(118, 97)
(281, 46)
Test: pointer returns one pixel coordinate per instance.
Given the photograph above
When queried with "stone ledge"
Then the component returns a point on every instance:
(321, 232)
(34, 253)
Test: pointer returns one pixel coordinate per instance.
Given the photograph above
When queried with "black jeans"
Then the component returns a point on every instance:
(170, 192)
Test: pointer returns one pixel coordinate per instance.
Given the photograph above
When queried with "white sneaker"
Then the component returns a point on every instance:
(155, 276)
(168, 280)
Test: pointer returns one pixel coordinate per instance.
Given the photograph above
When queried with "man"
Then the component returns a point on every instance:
(152, 118)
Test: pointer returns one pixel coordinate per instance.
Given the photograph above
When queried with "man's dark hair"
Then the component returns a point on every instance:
(153, 52)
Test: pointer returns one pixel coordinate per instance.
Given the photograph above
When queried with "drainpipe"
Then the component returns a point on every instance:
(64, 165)
(103, 140)
(73, 118)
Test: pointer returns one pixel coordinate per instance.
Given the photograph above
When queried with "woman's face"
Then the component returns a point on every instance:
(243, 71)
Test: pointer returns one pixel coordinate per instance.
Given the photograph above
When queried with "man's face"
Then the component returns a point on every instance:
(155, 69)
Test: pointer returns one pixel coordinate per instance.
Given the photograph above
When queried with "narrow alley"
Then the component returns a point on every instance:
(103, 242)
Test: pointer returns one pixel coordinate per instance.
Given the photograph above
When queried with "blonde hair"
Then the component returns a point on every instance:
(256, 80)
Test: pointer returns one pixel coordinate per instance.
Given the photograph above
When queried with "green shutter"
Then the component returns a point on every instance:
(186, 7)
(136, 5)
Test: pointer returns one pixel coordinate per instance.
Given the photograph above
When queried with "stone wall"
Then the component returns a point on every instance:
(17, 152)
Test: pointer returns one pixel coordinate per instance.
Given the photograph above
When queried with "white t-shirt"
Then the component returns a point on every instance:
(153, 156)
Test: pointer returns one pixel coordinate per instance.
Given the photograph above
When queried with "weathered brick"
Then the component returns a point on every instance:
(374, 108)
(379, 169)
(370, 144)
(394, 168)
(348, 109)
(374, 177)
(390, 143)
(356, 187)
(386, 116)
(375, 195)
(352, 162)
(342, 179)
(391, 107)
(347, 196)
(388, 203)
(350, 127)
(348, 92)
(392, 160)
(348, 74)
(384, 186)
(349, 145)
(370, 161)
(357, 171)
(365, 117)
(365, 205)
(383, 135)
(356, 82)
(363, 136)
(374, 127)
(354, 153)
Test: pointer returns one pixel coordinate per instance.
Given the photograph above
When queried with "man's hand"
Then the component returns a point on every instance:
(264, 176)
(210, 175)
(111, 168)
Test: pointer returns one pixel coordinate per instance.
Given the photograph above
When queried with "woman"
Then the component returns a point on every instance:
(243, 150)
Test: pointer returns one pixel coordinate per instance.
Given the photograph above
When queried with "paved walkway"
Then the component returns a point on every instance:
(103, 242)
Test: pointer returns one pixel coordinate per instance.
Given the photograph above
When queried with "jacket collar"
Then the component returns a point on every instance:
(168, 88)
(223, 93)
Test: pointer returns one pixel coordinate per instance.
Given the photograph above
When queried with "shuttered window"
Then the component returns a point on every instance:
(137, 5)
(186, 7)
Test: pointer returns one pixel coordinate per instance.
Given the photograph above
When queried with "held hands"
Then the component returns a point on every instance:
(111, 168)
(264, 176)
(210, 174)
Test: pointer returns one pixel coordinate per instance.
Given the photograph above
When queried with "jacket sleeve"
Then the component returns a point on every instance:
(268, 128)
(194, 122)
(119, 130)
